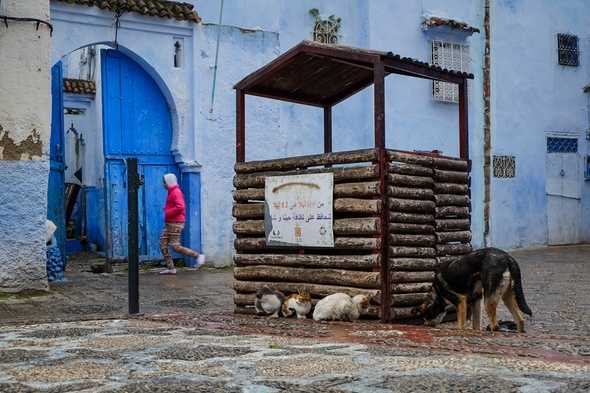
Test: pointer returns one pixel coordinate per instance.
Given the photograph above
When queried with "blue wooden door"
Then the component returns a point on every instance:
(137, 123)
(56, 187)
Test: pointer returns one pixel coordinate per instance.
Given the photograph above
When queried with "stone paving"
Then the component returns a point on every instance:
(555, 281)
(85, 295)
(188, 340)
(138, 355)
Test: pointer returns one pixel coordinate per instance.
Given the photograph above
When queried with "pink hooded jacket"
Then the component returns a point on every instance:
(174, 211)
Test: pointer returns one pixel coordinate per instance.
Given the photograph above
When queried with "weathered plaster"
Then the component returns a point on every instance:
(29, 148)
(24, 73)
(25, 104)
(23, 209)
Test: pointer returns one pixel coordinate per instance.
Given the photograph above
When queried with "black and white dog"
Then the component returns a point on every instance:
(490, 272)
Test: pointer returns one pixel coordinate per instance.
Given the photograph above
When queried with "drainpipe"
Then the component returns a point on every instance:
(487, 123)
(216, 56)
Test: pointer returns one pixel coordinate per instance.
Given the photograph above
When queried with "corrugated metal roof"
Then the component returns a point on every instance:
(157, 8)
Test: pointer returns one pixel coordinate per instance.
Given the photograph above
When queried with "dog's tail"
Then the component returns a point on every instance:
(517, 288)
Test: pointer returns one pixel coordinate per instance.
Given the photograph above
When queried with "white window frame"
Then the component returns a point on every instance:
(451, 56)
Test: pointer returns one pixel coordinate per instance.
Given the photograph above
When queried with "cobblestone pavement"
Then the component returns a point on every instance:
(555, 281)
(85, 295)
(190, 341)
(146, 356)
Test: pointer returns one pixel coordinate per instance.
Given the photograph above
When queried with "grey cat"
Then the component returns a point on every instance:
(268, 302)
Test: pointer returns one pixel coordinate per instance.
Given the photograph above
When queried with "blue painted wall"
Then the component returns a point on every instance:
(240, 53)
(532, 95)
(23, 212)
(413, 119)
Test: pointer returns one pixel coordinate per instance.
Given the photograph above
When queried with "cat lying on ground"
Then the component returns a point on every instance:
(340, 307)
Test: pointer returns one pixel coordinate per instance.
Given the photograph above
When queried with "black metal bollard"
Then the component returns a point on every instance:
(133, 184)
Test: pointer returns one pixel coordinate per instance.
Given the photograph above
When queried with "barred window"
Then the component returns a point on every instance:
(567, 47)
(504, 166)
(562, 145)
(451, 56)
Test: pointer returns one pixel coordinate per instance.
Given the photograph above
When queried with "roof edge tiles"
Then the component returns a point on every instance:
(151, 8)
(452, 23)
(79, 86)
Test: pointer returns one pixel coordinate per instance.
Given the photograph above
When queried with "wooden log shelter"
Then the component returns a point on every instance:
(396, 215)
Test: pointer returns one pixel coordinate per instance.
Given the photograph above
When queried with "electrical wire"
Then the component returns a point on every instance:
(216, 57)
(6, 18)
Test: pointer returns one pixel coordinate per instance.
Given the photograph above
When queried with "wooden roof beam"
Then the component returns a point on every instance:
(352, 90)
(281, 97)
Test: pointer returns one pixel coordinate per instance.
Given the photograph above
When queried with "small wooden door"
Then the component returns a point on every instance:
(563, 186)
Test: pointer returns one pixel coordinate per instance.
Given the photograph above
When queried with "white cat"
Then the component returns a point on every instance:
(340, 307)
(268, 302)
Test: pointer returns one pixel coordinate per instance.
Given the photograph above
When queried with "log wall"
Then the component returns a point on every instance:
(352, 266)
(426, 220)
(429, 220)
(453, 208)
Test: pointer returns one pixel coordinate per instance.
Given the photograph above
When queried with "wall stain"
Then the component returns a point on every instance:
(25, 150)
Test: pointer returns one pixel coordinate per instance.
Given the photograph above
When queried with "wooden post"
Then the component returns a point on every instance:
(133, 183)
(379, 108)
(327, 129)
(463, 121)
(240, 126)
(379, 103)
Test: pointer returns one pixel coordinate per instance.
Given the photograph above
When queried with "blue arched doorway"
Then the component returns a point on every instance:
(136, 123)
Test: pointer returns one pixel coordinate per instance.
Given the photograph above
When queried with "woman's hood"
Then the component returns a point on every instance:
(170, 180)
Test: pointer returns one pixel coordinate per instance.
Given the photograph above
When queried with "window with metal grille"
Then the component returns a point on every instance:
(567, 48)
(451, 56)
(504, 166)
(326, 31)
(562, 145)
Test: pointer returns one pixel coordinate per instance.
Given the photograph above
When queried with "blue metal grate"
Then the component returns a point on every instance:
(562, 145)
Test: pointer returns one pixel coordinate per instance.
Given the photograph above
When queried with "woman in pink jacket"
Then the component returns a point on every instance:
(174, 214)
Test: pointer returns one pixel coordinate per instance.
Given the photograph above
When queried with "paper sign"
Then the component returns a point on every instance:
(298, 210)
